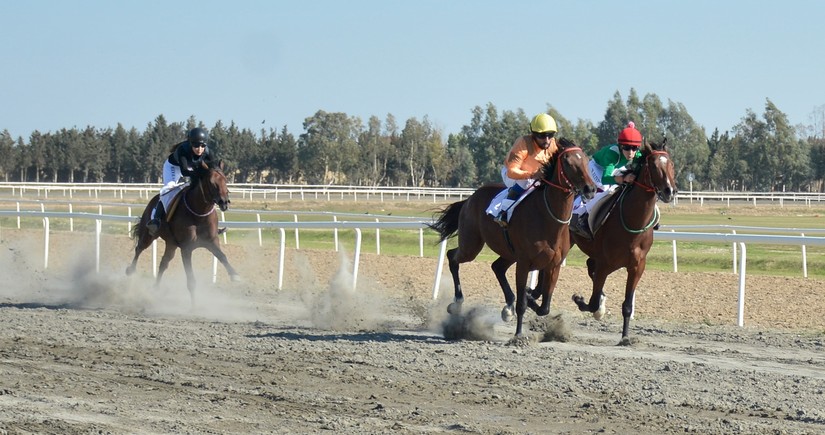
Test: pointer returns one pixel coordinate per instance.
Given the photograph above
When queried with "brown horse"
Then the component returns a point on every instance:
(625, 237)
(194, 224)
(536, 238)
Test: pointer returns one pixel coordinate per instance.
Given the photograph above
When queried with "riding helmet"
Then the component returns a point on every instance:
(543, 123)
(630, 136)
(197, 135)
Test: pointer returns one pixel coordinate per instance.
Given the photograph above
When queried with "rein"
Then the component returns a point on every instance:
(569, 189)
(648, 188)
(203, 194)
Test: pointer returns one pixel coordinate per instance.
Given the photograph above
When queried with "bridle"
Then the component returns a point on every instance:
(560, 175)
(649, 187)
(206, 199)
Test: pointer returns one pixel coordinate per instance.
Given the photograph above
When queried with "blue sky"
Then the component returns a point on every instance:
(273, 63)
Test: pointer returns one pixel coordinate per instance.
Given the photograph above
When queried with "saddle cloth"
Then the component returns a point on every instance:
(495, 204)
(170, 197)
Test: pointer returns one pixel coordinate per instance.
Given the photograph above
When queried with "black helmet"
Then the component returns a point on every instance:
(197, 135)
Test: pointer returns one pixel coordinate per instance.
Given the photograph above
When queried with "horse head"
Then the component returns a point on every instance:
(212, 182)
(568, 169)
(657, 171)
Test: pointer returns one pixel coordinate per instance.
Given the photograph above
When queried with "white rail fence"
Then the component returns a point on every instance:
(738, 240)
(277, 192)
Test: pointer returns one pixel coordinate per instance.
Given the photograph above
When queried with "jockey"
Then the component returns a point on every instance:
(526, 158)
(609, 167)
(181, 162)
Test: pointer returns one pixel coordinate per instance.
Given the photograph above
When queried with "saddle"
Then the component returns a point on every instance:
(175, 201)
(598, 215)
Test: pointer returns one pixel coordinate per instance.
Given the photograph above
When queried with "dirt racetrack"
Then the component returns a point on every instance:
(82, 352)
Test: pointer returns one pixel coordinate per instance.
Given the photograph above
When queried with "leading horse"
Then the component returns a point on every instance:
(192, 225)
(626, 235)
(536, 237)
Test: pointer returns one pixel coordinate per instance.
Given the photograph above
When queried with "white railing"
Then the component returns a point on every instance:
(739, 240)
(277, 192)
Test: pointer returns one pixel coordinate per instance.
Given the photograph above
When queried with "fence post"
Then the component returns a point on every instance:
(741, 315)
(442, 250)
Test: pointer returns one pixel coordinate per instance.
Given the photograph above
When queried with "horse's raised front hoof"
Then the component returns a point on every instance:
(130, 270)
(235, 278)
(521, 341)
(579, 300)
(508, 313)
(454, 308)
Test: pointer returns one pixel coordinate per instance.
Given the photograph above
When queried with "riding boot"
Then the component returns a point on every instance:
(582, 226)
(512, 195)
(154, 224)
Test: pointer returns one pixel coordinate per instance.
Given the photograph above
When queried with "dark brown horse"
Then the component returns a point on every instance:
(536, 238)
(194, 224)
(625, 237)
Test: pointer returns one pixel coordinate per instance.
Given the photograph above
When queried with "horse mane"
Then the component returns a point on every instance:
(547, 169)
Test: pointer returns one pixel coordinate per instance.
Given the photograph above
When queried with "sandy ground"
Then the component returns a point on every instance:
(84, 352)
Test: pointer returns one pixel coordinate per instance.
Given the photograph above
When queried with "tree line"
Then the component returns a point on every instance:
(761, 153)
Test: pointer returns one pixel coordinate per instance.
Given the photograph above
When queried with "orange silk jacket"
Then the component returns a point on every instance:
(526, 158)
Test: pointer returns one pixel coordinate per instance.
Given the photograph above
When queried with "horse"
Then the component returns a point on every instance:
(535, 239)
(626, 235)
(193, 224)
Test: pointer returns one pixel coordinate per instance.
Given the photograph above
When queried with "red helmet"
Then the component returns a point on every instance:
(630, 136)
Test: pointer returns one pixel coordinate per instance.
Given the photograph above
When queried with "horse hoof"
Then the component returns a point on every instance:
(507, 313)
(454, 308)
(235, 278)
(130, 270)
(627, 341)
(520, 341)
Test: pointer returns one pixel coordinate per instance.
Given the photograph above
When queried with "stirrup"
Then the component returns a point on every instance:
(581, 227)
(500, 219)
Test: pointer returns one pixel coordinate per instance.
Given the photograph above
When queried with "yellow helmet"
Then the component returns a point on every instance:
(543, 123)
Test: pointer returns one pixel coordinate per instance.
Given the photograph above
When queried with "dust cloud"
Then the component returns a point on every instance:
(338, 306)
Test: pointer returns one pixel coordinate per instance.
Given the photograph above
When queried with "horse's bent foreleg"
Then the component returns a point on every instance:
(596, 303)
(216, 250)
(500, 267)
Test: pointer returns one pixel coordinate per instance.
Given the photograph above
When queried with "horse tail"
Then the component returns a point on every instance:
(135, 231)
(446, 225)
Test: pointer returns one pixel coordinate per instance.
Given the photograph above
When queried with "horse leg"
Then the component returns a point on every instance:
(143, 241)
(596, 303)
(500, 267)
(521, 298)
(186, 256)
(458, 298)
(546, 285)
(168, 255)
(535, 293)
(634, 274)
(216, 250)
